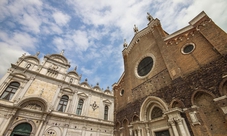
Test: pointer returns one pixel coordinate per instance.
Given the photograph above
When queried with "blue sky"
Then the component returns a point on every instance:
(90, 31)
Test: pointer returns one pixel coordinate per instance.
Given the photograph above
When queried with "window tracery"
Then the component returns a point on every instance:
(156, 113)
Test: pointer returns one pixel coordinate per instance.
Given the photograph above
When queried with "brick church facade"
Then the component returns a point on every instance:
(173, 84)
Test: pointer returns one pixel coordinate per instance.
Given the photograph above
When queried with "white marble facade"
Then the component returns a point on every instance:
(45, 99)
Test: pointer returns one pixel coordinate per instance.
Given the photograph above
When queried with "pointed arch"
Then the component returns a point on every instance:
(135, 118)
(125, 124)
(149, 103)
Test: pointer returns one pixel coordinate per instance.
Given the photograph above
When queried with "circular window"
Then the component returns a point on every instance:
(145, 66)
(122, 92)
(188, 48)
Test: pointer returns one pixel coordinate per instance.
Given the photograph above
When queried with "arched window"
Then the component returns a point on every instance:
(10, 91)
(80, 107)
(156, 113)
(23, 129)
(106, 112)
(63, 103)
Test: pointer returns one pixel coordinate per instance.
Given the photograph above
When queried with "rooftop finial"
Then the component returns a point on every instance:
(75, 68)
(135, 29)
(62, 52)
(23, 54)
(37, 54)
(125, 44)
(149, 17)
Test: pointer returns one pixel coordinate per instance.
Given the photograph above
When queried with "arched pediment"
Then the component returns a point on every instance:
(85, 84)
(32, 59)
(97, 88)
(67, 90)
(73, 74)
(20, 75)
(59, 58)
(33, 103)
(107, 91)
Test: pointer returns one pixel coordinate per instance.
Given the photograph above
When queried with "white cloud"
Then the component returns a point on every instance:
(8, 54)
(31, 23)
(19, 39)
(61, 18)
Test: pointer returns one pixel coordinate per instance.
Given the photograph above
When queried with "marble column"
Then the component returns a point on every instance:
(148, 131)
(181, 127)
(173, 125)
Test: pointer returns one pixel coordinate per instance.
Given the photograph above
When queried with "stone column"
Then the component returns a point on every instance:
(55, 99)
(73, 104)
(139, 132)
(181, 127)
(65, 129)
(39, 130)
(148, 131)
(84, 131)
(135, 132)
(68, 107)
(6, 123)
(173, 125)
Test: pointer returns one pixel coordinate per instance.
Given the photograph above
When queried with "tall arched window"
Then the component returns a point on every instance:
(106, 112)
(10, 91)
(63, 103)
(79, 107)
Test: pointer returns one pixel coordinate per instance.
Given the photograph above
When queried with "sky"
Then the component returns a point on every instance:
(91, 32)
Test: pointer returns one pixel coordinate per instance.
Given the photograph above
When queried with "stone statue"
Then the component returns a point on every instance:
(149, 17)
(135, 29)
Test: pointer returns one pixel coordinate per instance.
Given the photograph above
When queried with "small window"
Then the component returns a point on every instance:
(10, 91)
(145, 66)
(63, 103)
(106, 112)
(188, 48)
(122, 92)
(79, 107)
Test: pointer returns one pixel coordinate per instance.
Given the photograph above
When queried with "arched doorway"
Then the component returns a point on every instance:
(23, 129)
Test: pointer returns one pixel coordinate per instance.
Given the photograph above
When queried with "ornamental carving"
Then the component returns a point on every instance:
(94, 106)
(33, 106)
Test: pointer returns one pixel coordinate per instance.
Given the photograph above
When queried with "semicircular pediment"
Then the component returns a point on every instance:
(33, 103)
(73, 74)
(59, 58)
(32, 59)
